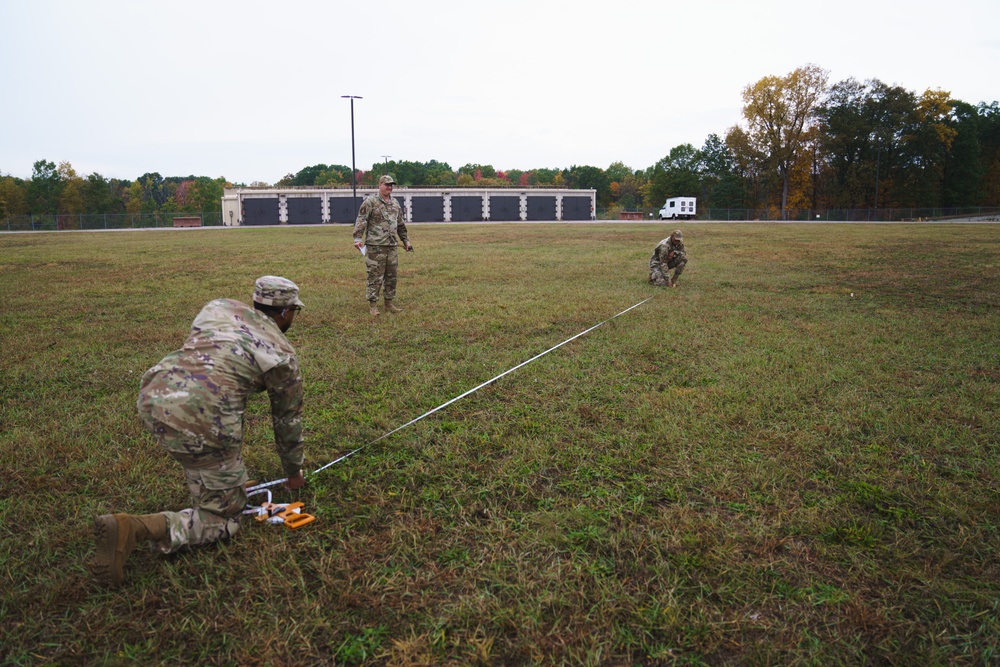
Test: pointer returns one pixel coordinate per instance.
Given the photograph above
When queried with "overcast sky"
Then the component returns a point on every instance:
(252, 90)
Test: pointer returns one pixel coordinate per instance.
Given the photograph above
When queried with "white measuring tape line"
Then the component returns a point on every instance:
(444, 405)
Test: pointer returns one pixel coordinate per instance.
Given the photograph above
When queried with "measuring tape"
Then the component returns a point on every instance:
(266, 485)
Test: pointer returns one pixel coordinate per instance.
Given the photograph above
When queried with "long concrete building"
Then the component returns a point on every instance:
(312, 206)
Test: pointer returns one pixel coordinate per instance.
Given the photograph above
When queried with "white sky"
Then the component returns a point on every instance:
(251, 90)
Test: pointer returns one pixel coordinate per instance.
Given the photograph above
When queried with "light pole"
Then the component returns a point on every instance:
(354, 170)
(386, 170)
(878, 164)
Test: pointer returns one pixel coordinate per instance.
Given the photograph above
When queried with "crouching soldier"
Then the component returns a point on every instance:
(193, 403)
(668, 254)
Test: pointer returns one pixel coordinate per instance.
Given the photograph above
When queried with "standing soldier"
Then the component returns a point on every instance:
(668, 254)
(193, 403)
(380, 220)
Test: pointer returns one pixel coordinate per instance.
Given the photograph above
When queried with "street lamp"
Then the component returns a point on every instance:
(386, 170)
(354, 171)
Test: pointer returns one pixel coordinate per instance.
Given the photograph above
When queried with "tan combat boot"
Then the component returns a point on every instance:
(391, 308)
(374, 308)
(116, 536)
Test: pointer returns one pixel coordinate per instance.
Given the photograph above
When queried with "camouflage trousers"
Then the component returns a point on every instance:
(659, 276)
(381, 264)
(215, 479)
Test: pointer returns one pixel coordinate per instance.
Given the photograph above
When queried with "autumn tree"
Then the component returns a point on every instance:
(135, 198)
(779, 113)
(626, 185)
(13, 196)
(71, 190)
(925, 146)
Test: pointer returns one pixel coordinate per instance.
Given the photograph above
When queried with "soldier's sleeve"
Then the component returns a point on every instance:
(361, 224)
(401, 228)
(284, 387)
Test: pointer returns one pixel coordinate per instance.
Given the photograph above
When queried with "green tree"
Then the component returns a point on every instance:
(97, 194)
(989, 140)
(589, 177)
(543, 176)
(155, 192)
(206, 194)
(307, 175)
(963, 183)
(721, 187)
(44, 188)
(478, 171)
(891, 110)
(675, 175)
(848, 142)
(439, 174)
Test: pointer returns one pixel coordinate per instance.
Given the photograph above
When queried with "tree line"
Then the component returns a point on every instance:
(59, 190)
(802, 144)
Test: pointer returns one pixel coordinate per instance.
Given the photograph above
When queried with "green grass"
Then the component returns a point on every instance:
(790, 459)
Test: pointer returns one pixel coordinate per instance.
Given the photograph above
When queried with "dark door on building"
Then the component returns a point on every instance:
(505, 208)
(261, 211)
(576, 208)
(304, 210)
(541, 208)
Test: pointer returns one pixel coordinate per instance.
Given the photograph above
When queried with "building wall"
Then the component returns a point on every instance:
(303, 206)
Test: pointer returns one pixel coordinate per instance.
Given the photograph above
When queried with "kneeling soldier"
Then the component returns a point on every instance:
(193, 403)
(668, 254)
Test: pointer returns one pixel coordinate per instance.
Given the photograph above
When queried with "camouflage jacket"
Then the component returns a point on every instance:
(201, 390)
(664, 247)
(379, 222)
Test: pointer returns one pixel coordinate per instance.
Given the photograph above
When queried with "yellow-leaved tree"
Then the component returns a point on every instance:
(779, 113)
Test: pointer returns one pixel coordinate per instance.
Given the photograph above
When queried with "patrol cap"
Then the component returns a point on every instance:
(677, 234)
(386, 178)
(276, 291)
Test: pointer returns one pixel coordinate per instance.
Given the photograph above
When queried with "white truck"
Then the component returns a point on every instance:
(682, 208)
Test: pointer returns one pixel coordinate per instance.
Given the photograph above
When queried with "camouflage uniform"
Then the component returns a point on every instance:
(668, 254)
(194, 399)
(378, 224)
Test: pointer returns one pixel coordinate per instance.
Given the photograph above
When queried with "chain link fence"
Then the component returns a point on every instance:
(971, 213)
(98, 221)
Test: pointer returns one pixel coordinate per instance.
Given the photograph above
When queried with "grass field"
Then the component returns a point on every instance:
(792, 458)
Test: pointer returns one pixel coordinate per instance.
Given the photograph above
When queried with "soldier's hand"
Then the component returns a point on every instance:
(409, 248)
(296, 482)
(358, 244)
